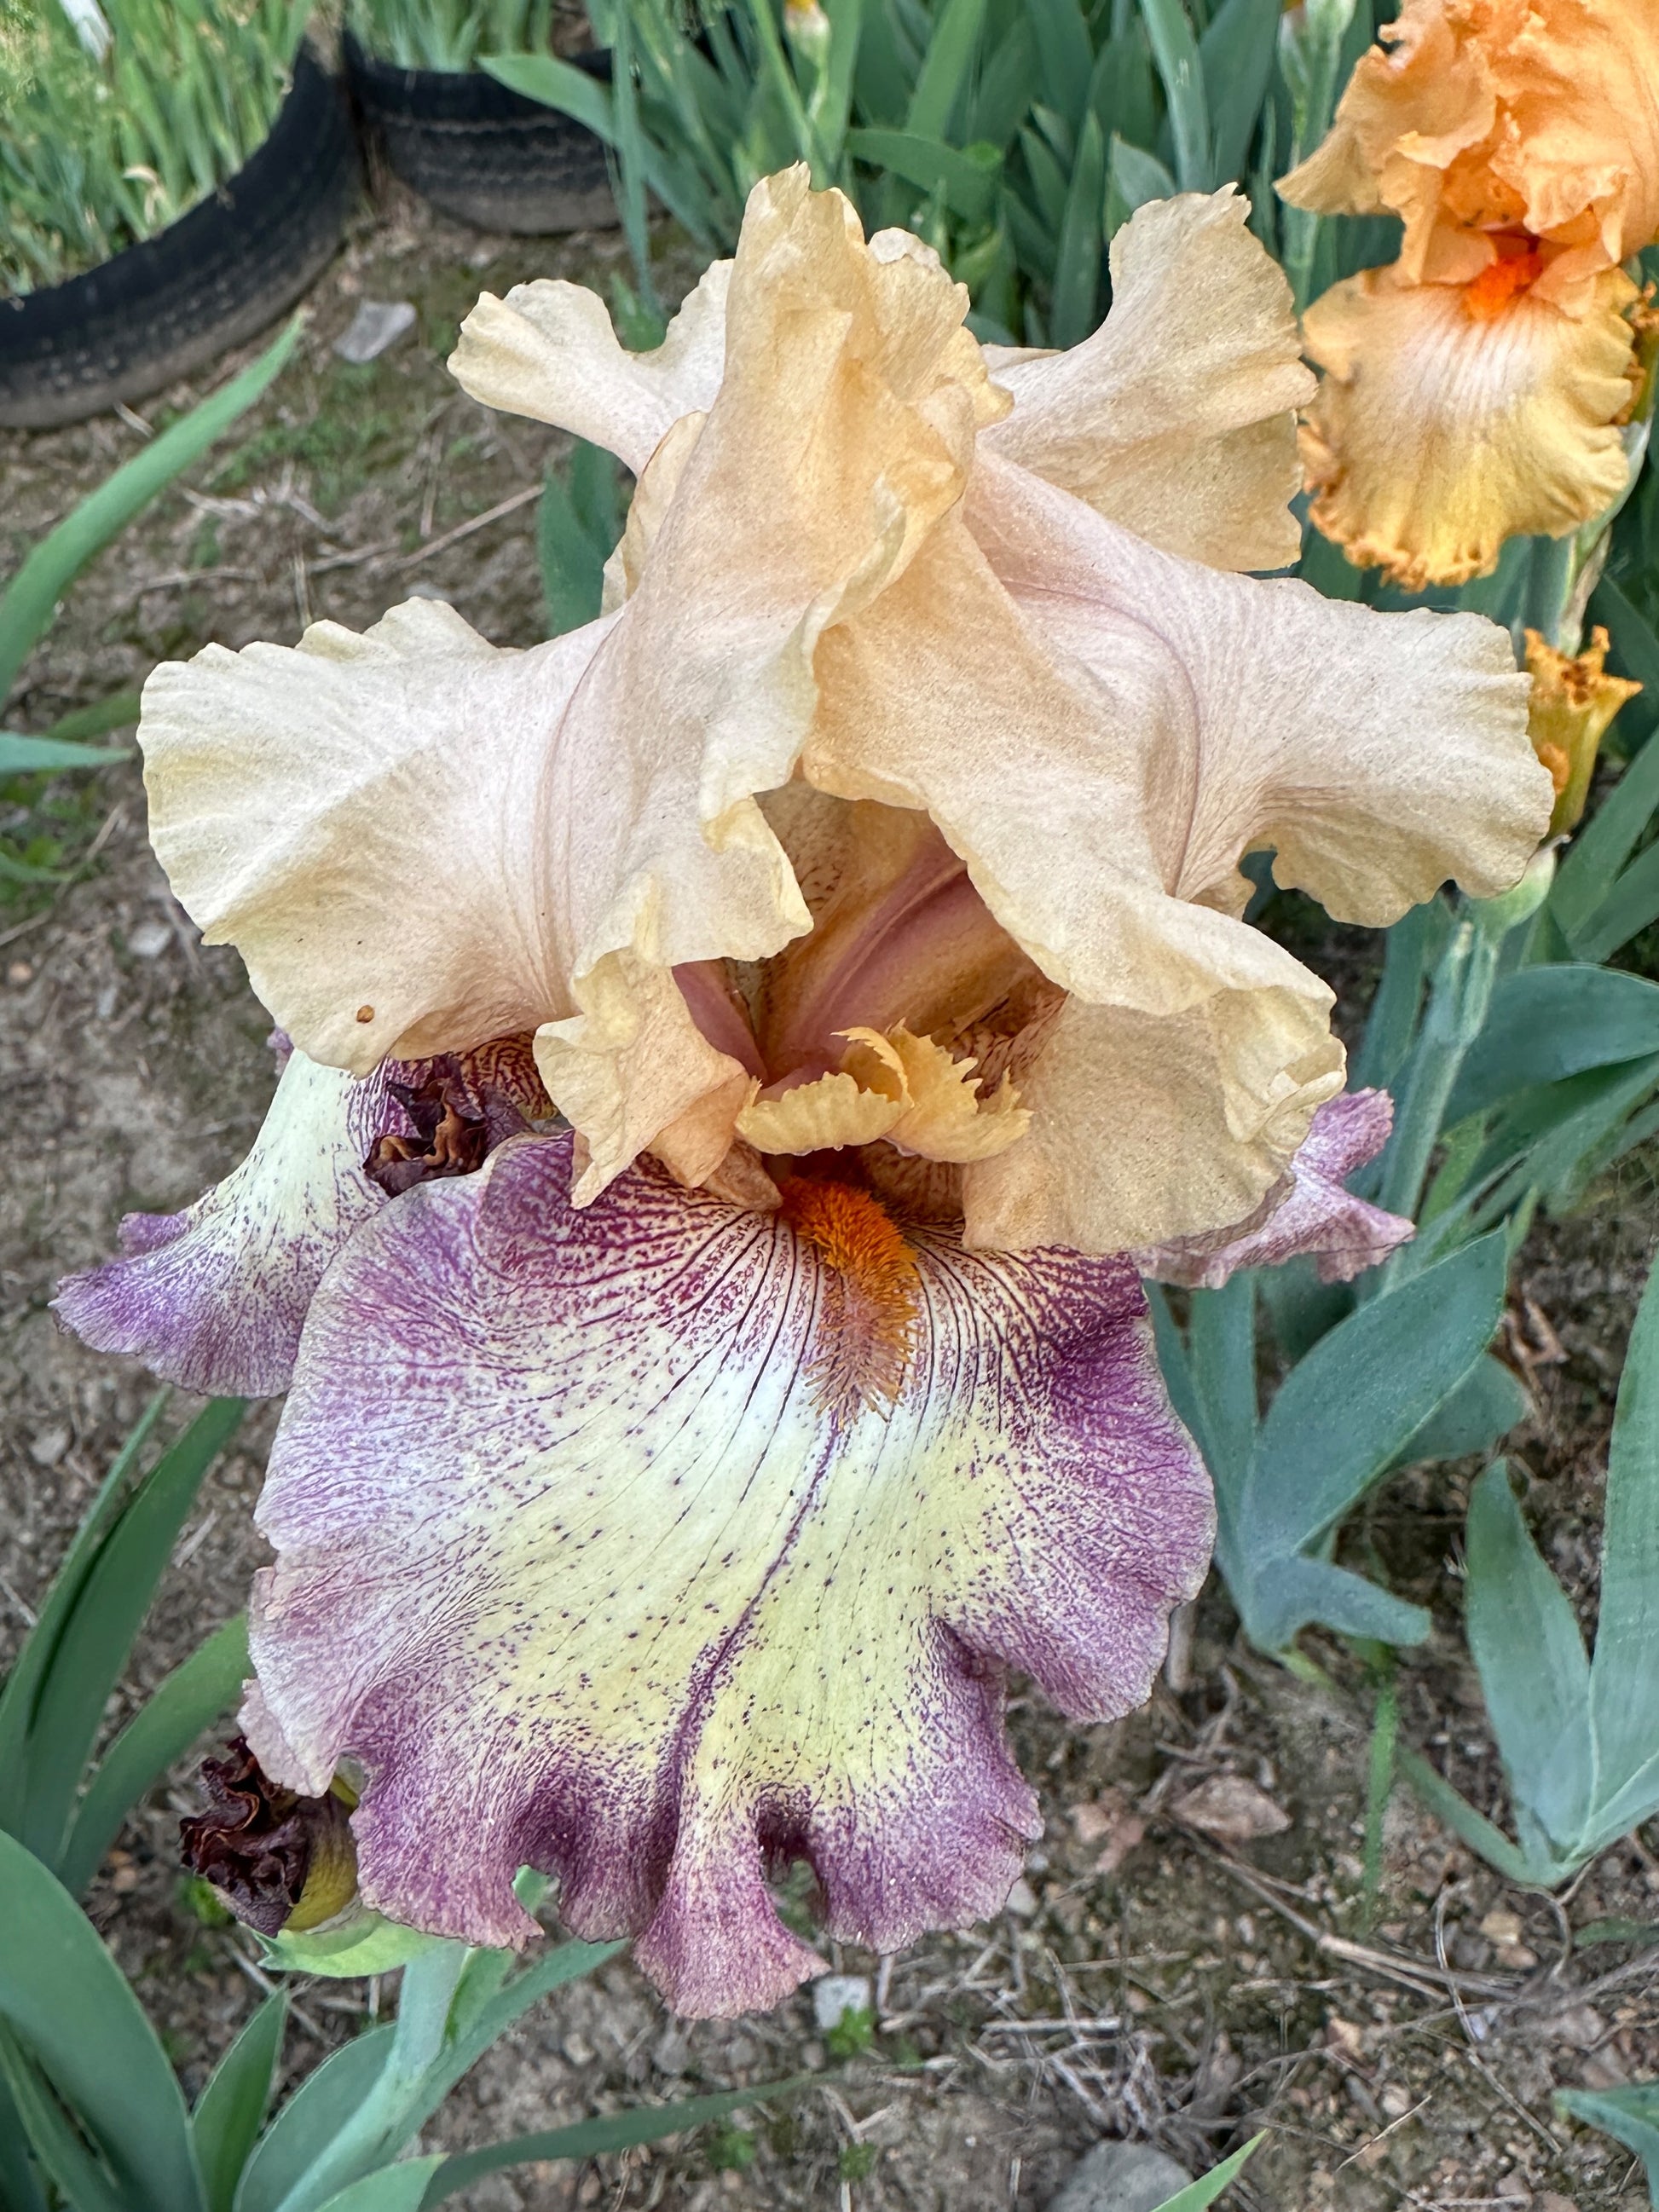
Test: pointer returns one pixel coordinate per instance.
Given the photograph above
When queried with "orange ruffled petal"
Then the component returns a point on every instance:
(1449, 420)
(1483, 115)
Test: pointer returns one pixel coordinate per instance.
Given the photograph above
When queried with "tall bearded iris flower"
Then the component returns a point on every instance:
(1475, 386)
(662, 1496)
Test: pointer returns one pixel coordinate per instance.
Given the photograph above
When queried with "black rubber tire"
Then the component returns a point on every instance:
(481, 153)
(221, 274)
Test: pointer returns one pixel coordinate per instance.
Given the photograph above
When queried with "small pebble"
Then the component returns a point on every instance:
(20, 973)
(148, 938)
(1022, 1900)
(834, 1995)
(47, 1446)
(1121, 2177)
(377, 324)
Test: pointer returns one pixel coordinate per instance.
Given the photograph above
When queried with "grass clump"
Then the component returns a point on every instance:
(116, 119)
(452, 34)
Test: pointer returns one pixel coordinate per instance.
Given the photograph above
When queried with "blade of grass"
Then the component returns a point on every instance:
(71, 2008)
(193, 1696)
(98, 1637)
(1199, 2194)
(231, 2111)
(18, 1698)
(1454, 1811)
(20, 2188)
(1077, 265)
(31, 598)
(25, 756)
(591, 2138)
(1379, 1787)
(79, 2177)
(950, 52)
(1175, 49)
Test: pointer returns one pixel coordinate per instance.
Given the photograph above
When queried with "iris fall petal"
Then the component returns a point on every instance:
(1319, 1217)
(214, 1299)
(1437, 433)
(573, 1560)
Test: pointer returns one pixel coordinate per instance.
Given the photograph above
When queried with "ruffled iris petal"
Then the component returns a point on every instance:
(214, 1299)
(1175, 417)
(547, 351)
(1318, 1217)
(1540, 114)
(436, 841)
(1437, 433)
(573, 1558)
(1100, 730)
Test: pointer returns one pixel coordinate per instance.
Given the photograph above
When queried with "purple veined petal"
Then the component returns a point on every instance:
(214, 1299)
(574, 1564)
(1317, 1217)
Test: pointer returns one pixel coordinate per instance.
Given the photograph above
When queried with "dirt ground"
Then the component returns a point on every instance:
(1148, 1979)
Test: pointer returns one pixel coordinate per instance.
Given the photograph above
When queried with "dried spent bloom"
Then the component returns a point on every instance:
(661, 1497)
(281, 1861)
(1574, 700)
(1474, 388)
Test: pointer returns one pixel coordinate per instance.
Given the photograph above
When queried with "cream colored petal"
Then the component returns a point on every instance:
(361, 816)
(946, 1117)
(1139, 1118)
(824, 1115)
(1379, 754)
(648, 510)
(633, 1064)
(1177, 417)
(1437, 434)
(455, 842)
(1040, 774)
(843, 428)
(1100, 730)
(418, 841)
(547, 351)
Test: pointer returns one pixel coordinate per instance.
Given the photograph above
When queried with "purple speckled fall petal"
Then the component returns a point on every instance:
(214, 1299)
(571, 1559)
(1317, 1217)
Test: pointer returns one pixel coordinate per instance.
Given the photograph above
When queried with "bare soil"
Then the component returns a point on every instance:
(1147, 1979)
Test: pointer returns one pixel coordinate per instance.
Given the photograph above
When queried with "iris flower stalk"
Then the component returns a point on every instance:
(741, 1056)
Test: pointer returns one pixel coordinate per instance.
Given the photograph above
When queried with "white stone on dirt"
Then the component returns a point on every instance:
(149, 939)
(377, 324)
(1121, 2177)
(834, 1995)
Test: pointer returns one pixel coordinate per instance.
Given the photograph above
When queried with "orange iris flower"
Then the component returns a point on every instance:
(1476, 388)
